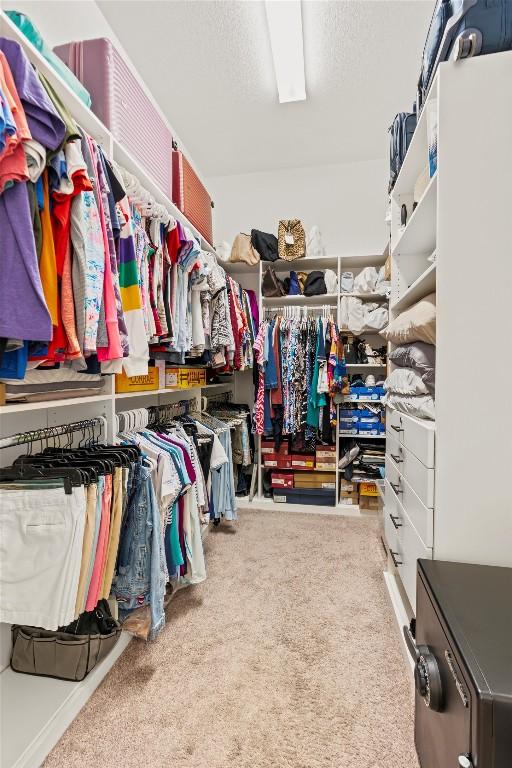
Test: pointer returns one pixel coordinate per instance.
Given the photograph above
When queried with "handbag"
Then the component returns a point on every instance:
(291, 240)
(265, 244)
(69, 653)
(242, 250)
(271, 285)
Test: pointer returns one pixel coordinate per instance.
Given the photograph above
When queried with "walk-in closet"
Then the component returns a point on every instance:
(254, 262)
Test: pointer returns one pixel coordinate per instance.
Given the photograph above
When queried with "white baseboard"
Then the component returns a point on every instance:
(401, 616)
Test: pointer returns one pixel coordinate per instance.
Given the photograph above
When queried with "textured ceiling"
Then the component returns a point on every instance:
(209, 66)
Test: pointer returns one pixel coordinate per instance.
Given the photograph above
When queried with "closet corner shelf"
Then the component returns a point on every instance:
(304, 265)
(419, 235)
(425, 284)
(168, 391)
(49, 404)
(366, 365)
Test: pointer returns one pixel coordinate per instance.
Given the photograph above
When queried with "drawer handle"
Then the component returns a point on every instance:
(396, 459)
(394, 519)
(396, 488)
(397, 429)
(394, 557)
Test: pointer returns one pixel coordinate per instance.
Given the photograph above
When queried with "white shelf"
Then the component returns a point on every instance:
(362, 400)
(330, 299)
(362, 437)
(366, 331)
(47, 404)
(153, 392)
(303, 265)
(241, 268)
(361, 261)
(425, 284)
(365, 365)
(168, 391)
(416, 159)
(419, 235)
(368, 296)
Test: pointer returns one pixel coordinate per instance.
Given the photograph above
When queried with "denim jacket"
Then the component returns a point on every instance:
(140, 578)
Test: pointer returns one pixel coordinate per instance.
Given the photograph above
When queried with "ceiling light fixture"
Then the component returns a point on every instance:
(284, 19)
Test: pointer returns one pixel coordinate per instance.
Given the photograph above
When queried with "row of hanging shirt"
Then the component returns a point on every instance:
(104, 270)
(84, 524)
(301, 367)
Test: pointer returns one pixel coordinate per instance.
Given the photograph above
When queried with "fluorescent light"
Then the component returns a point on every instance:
(284, 19)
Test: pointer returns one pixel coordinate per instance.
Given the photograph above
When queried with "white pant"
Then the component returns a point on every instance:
(41, 535)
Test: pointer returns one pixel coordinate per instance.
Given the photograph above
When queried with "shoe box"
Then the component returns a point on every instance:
(325, 457)
(281, 479)
(324, 480)
(272, 458)
(309, 496)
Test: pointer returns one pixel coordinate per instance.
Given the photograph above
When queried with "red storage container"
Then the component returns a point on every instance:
(277, 460)
(191, 197)
(281, 480)
(121, 103)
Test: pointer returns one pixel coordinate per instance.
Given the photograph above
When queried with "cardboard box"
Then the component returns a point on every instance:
(347, 486)
(160, 366)
(369, 503)
(326, 452)
(303, 461)
(352, 500)
(368, 489)
(191, 377)
(147, 383)
(281, 480)
(324, 480)
(326, 464)
(329, 485)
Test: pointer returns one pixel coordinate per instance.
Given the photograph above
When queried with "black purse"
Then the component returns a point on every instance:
(265, 244)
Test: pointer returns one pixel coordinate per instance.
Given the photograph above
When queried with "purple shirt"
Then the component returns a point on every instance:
(23, 310)
(46, 125)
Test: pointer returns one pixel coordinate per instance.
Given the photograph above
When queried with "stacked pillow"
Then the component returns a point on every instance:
(411, 386)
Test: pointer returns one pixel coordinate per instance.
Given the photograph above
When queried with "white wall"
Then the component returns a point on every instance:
(348, 202)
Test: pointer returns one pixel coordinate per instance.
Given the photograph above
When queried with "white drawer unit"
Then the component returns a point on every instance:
(409, 548)
(421, 516)
(420, 478)
(416, 435)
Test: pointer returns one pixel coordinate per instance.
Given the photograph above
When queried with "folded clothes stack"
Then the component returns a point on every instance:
(410, 388)
(51, 384)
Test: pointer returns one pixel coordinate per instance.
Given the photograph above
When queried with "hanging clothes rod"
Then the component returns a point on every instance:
(222, 397)
(49, 432)
(300, 310)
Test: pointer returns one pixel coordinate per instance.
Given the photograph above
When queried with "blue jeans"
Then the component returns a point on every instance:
(140, 578)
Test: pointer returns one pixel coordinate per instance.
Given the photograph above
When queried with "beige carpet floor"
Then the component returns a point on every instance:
(286, 657)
